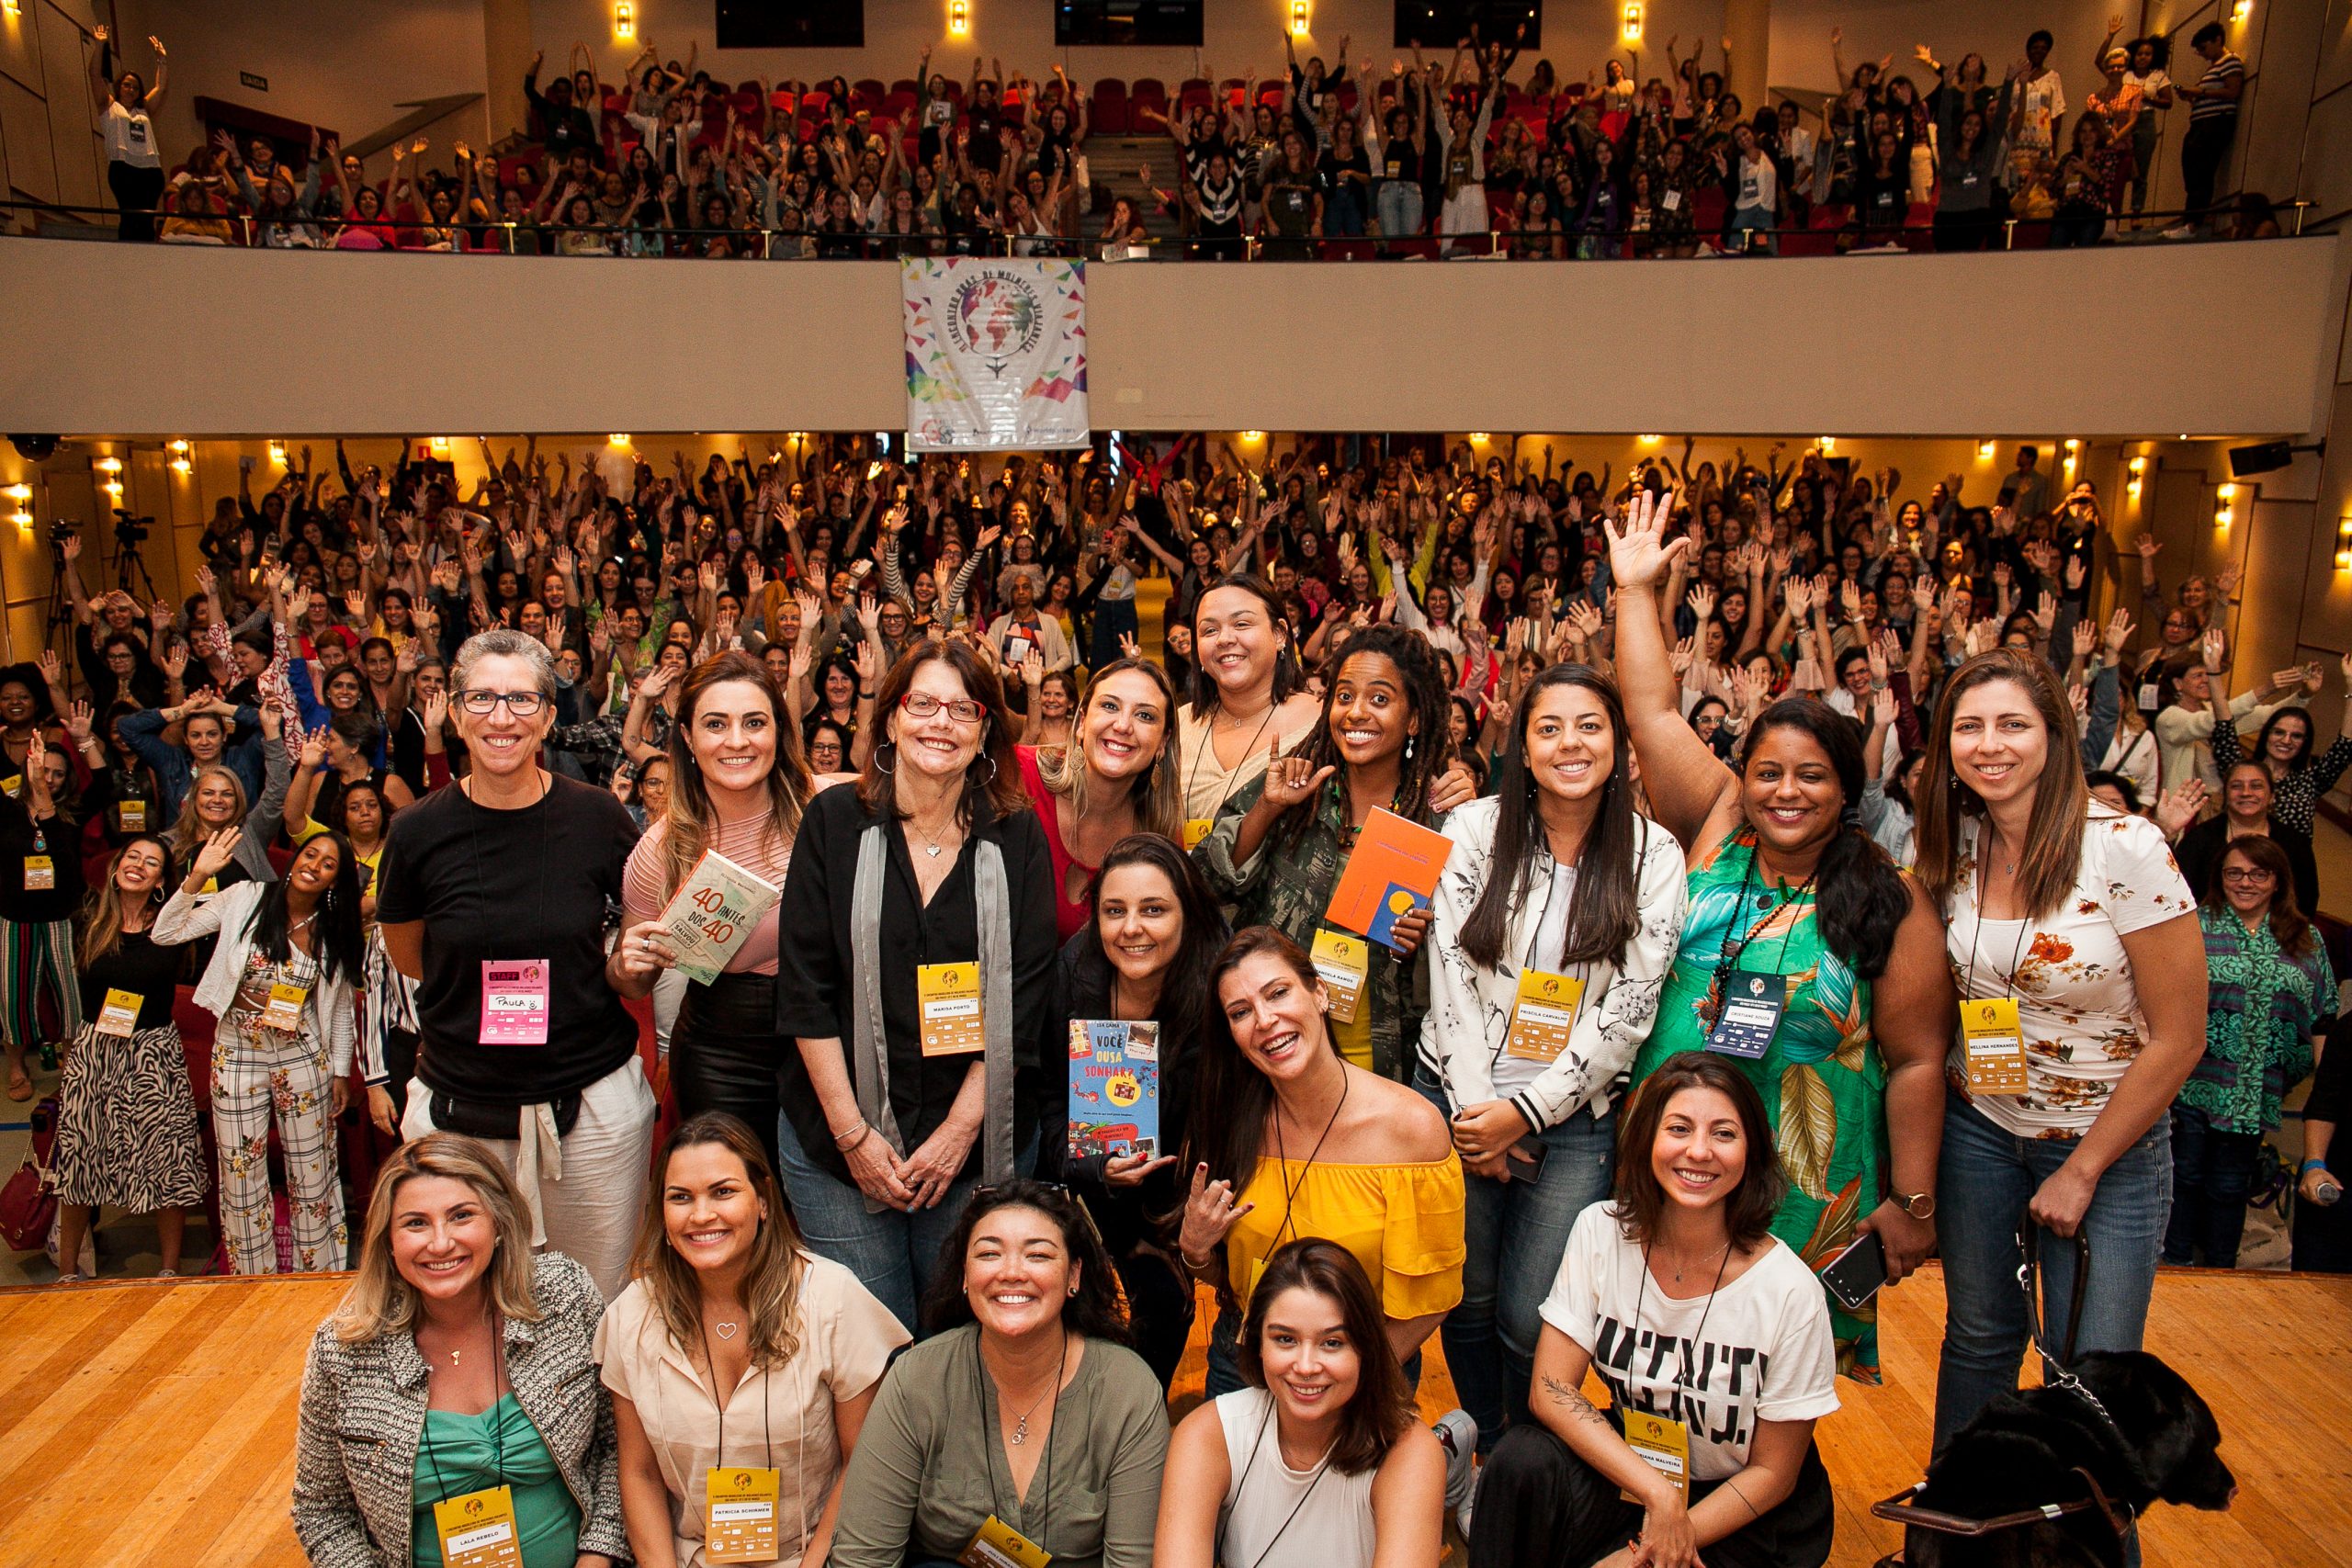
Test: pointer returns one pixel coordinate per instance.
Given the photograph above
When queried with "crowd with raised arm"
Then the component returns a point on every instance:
(1754, 783)
(1455, 155)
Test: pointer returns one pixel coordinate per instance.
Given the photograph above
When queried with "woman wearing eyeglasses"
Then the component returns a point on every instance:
(916, 951)
(491, 897)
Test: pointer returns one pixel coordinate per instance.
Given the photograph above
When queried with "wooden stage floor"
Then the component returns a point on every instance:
(152, 1422)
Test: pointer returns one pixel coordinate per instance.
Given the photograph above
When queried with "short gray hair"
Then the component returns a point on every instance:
(504, 644)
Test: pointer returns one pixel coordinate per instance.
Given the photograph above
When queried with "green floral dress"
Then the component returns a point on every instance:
(1823, 1080)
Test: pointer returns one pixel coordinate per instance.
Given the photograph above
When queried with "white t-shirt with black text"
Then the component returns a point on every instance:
(1767, 1354)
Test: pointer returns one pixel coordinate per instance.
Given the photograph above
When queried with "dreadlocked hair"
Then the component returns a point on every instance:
(1430, 744)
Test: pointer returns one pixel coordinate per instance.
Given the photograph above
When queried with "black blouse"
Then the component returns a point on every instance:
(137, 965)
(816, 964)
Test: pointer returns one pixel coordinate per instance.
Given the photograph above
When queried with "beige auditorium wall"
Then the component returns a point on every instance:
(1888, 345)
(49, 146)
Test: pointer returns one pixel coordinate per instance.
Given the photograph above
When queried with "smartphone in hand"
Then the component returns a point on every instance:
(1855, 1275)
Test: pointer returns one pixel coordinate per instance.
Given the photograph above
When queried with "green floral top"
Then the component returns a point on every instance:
(1288, 887)
(2262, 1007)
(1822, 1079)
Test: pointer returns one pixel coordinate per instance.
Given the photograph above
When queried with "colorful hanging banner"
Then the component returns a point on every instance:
(996, 353)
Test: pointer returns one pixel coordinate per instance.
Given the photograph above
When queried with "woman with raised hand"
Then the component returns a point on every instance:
(491, 897)
(1307, 1144)
(280, 982)
(1144, 956)
(126, 1123)
(738, 787)
(1724, 1470)
(917, 947)
(1247, 690)
(2056, 906)
(1555, 922)
(1318, 1462)
(1117, 776)
(1023, 1429)
(1807, 959)
(40, 890)
(1282, 844)
(459, 1365)
(726, 1298)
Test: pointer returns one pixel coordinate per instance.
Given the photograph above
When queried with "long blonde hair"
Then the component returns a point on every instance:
(690, 822)
(380, 1301)
(188, 833)
(771, 1279)
(1160, 798)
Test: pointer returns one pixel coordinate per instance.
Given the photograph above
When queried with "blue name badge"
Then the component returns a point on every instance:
(1751, 1013)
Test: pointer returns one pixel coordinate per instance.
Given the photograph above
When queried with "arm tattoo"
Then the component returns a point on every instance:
(1572, 1400)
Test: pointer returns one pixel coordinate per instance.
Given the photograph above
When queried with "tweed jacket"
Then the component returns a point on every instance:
(363, 1417)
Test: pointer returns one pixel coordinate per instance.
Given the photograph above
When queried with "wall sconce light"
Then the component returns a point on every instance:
(1984, 451)
(9, 6)
(182, 464)
(2139, 467)
(1477, 439)
(278, 452)
(106, 465)
(1650, 440)
(1633, 22)
(19, 493)
(21, 519)
(2224, 505)
(959, 16)
(616, 439)
(1253, 436)
(2344, 545)
(2242, 10)
(1298, 19)
(1827, 443)
(624, 19)
(179, 448)
(440, 446)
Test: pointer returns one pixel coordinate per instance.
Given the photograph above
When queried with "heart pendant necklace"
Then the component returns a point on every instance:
(727, 1330)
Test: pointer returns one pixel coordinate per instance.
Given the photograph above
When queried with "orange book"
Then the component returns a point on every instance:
(1392, 872)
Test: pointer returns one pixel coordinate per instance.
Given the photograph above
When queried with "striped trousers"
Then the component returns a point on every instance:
(34, 954)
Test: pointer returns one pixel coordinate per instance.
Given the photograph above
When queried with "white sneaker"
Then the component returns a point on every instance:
(2180, 231)
(1458, 1434)
(1462, 1513)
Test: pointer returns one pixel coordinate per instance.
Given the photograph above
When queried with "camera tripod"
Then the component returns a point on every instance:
(130, 559)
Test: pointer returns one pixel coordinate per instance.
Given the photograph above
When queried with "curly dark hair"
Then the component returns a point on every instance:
(1430, 747)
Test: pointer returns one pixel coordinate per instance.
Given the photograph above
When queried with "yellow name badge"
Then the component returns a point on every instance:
(739, 1521)
(1664, 1445)
(285, 1010)
(133, 815)
(1195, 830)
(477, 1530)
(950, 997)
(999, 1545)
(13, 785)
(1342, 962)
(119, 1016)
(1544, 1015)
(41, 873)
(1994, 1045)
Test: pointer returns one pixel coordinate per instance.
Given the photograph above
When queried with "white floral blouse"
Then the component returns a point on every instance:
(2078, 1004)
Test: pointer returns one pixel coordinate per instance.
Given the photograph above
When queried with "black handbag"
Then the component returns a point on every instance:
(477, 1119)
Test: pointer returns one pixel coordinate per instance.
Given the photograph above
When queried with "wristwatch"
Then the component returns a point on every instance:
(1918, 1205)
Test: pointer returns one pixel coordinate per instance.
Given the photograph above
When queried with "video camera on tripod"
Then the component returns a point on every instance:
(131, 531)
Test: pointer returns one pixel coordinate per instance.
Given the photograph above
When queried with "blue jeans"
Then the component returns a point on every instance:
(894, 1254)
(2213, 1171)
(1399, 206)
(1986, 1178)
(1517, 1232)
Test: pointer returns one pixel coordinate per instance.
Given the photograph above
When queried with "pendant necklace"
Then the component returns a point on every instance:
(1709, 1259)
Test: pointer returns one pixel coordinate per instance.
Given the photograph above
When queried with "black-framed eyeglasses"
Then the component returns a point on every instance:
(522, 704)
(2248, 877)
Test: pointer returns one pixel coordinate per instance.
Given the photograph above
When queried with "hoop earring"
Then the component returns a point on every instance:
(990, 759)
